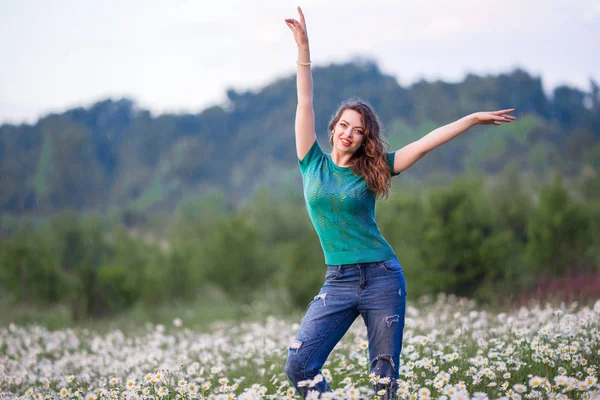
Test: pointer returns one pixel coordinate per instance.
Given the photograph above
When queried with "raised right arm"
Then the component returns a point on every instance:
(305, 114)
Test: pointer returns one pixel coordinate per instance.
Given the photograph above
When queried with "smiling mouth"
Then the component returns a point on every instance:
(346, 142)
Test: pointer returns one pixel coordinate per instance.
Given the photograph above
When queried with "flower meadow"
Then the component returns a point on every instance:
(452, 350)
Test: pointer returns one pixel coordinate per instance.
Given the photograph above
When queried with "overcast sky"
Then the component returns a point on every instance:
(181, 56)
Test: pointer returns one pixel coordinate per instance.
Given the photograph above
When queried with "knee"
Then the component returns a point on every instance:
(384, 366)
(293, 367)
(384, 377)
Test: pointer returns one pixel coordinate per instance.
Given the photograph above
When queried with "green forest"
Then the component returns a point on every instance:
(109, 207)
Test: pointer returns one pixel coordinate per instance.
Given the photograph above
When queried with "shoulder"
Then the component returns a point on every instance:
(391, 159)
(314, 155)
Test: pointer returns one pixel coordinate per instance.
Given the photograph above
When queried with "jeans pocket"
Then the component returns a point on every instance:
(391, 266)
(332, 272)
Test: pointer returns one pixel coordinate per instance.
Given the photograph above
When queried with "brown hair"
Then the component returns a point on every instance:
(369, 161)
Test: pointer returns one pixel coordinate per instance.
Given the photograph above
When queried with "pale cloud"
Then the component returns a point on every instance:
(182, 55)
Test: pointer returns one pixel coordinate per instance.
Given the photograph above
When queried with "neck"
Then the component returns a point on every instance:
(341, 159)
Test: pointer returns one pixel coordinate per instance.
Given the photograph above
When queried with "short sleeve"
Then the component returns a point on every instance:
(314, 154)
(390, 158)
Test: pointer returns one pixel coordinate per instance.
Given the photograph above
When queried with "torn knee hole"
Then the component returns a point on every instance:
(295, 345)
(388, 358)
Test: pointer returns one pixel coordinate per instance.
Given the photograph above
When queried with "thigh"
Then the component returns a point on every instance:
(383, 308)
(328, 318)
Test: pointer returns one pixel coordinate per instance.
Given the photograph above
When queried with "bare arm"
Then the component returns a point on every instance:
(413, 152)
(305, 115)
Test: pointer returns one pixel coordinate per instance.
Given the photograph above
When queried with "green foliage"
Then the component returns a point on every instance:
(511, 205)
(79, 248)
(235, 259)
(122, 276)
(486, 240)
(153, 194)
(560, 234)
(463, 252)
(490, 149)
(400, 134)
(114, 154)
(240, 227)
(29, 273)
(75, 262)
(591, 157)
(302, 269)
(67, 165)
(401, 220)
(40, 181)
(212, 204)
(541, 155)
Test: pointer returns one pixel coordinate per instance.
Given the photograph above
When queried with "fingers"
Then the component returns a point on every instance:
(503, 111)
(494, 118)
(501, 119)
(302, 20)
(292, 24)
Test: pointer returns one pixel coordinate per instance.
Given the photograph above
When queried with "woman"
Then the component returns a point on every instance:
(363, 276)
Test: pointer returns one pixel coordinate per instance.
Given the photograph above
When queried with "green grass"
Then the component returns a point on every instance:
(198, 315)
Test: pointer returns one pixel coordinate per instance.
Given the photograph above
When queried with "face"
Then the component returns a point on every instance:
(348, 133)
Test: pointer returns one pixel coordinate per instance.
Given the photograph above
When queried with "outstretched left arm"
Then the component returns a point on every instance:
(413, 152)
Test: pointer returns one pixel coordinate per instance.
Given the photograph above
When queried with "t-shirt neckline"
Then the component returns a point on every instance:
(337, 166)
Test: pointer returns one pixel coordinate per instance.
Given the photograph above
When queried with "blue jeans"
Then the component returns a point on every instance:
(377, 292)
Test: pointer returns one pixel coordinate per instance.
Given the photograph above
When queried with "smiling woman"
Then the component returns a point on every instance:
(358, 143)
(363, 276)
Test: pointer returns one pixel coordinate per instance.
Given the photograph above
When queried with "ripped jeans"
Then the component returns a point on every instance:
(377, 292)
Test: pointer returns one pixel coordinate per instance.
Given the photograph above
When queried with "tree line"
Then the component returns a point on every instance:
(113, 154)
(488, 240)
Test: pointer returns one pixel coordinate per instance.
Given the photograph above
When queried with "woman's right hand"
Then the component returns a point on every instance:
(298, 29)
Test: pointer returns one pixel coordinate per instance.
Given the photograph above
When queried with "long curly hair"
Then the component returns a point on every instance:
(369, 161)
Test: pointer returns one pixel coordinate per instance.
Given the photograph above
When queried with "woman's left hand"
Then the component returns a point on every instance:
(494, 117)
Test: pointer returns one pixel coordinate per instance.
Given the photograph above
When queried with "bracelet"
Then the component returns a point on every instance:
(306, 63)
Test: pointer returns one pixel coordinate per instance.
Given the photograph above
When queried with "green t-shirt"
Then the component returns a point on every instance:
(342, 210)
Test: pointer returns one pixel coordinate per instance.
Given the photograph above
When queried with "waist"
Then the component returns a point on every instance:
(358, 257)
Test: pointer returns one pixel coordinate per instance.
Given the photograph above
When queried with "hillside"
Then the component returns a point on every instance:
(114, 155)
